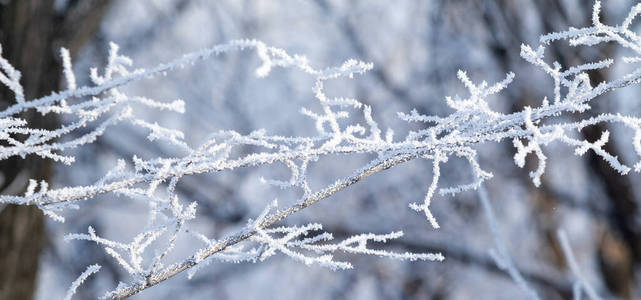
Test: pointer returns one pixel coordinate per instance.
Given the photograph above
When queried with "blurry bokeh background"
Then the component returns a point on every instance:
(416, 48)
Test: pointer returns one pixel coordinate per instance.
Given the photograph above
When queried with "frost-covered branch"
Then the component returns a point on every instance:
(471, 123)
(288, 238)
(264, 221)
(76, 283)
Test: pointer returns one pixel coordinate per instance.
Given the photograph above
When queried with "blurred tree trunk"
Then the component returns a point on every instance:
(30, 33)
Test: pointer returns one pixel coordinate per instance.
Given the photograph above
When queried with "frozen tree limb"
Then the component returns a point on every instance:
(471, 123)
(264, 222)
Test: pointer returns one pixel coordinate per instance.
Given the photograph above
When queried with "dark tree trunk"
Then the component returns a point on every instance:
(30, 33)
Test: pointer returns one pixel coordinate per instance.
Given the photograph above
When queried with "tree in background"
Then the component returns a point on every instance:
(30, 32)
